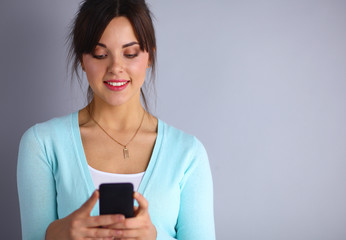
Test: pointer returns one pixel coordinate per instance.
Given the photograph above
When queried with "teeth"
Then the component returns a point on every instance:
(116, 84)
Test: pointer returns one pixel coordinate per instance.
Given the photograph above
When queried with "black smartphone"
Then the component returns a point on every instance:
(116, 198)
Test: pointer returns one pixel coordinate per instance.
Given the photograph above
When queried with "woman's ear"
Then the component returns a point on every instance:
(149, 62)
(82, 65)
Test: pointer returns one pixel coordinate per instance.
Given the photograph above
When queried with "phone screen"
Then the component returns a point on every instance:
(116, 198)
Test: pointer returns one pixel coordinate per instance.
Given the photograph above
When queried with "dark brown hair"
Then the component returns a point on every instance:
(92, 19)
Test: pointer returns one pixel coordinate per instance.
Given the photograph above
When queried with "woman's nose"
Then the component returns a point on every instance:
(116, 65)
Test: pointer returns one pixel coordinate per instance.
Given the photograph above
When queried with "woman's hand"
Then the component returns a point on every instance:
(80, 225)
(138, 227)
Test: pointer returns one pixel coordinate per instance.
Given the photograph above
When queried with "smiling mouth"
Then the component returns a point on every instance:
(117, 84)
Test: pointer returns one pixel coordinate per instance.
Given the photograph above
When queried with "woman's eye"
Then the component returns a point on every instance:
(131, 55)
(102, 56)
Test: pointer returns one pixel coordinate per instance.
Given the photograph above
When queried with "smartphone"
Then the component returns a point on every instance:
(116, 198)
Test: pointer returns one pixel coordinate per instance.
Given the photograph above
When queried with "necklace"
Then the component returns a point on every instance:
(125, 149)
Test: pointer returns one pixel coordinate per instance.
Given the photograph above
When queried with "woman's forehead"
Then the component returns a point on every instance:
(118, 32)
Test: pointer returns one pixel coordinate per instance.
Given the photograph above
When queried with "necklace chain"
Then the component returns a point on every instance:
(125, 149)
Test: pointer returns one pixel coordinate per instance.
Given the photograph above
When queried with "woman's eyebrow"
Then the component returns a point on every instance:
(101, 45)
(124, 46)
(129, 44)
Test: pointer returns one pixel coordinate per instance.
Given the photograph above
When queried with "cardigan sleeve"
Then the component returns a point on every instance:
(161, 234)
(36, 187)
(196, 214)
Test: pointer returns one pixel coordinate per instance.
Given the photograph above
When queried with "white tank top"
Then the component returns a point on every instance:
(99, 177)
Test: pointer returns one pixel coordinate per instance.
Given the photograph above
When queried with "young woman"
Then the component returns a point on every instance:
(114, 138)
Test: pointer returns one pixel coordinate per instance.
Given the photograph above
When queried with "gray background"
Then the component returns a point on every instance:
(261, 83)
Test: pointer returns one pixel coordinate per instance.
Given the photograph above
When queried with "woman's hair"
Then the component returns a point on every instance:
(91, 21)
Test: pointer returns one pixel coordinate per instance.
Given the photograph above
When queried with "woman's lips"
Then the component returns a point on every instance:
(116, 85)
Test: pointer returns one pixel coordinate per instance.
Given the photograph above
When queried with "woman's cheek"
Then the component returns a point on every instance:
(93, 70)
(141, 65)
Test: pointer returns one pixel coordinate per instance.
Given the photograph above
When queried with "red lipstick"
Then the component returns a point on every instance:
(116, 85)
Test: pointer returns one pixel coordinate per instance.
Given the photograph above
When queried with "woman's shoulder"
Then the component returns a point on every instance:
(180, 151)
(176, 137)
(56, 127)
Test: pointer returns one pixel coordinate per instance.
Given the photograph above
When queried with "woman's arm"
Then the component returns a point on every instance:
(36, 187)
(196, 215)
(37, 199)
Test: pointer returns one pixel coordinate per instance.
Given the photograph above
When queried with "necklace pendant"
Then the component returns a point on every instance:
(126, 153)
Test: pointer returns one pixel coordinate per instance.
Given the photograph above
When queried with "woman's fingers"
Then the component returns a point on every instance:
(99, 233)
(128, 233)
(137, 221)
(138, 227)
(142, 202)
(104, 220)
(140, 211)
(80, 225)
(87, 207)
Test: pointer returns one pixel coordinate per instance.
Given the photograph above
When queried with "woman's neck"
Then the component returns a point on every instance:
(118, 118)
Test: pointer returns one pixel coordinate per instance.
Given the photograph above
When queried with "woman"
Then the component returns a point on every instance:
(113, 139)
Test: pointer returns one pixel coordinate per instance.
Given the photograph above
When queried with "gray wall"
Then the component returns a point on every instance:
(261, 83)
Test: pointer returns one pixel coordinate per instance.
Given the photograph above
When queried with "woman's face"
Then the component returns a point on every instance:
(116, 69)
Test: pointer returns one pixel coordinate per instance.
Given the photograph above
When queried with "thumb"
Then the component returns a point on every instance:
(142, 202)
(87, 207)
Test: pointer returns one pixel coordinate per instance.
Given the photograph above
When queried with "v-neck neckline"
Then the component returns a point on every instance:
(84, 163)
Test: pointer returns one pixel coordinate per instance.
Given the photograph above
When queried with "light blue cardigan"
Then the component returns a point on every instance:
(54, 180)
